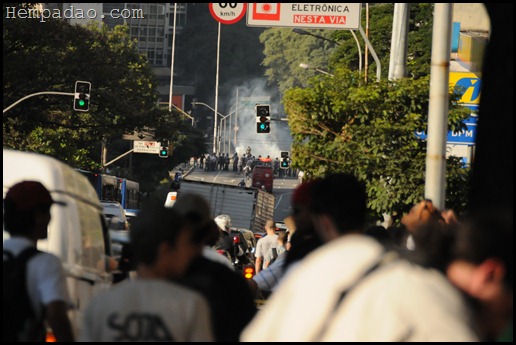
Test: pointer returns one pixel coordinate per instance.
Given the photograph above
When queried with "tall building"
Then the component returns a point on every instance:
(152, 24)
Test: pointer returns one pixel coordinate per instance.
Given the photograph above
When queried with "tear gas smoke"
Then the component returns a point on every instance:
(279, 139)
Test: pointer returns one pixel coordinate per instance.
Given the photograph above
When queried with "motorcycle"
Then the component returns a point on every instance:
(242, 256)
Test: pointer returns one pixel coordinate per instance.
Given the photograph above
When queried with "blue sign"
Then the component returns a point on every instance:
(465, 137)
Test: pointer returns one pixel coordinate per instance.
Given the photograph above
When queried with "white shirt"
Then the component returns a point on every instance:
(265, 243)
(46, 280)
(397, 302)
(147, 310)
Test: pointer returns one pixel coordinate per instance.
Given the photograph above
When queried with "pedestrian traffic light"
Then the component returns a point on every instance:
(82, 96)
(284, 154)
(263, 118)
(163, 150)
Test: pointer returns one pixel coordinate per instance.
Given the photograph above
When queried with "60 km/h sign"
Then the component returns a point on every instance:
(228, 13)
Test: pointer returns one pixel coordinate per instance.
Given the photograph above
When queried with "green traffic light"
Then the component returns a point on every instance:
(81, 103)
(262, 128)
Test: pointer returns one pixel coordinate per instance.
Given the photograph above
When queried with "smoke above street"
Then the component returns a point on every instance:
(279, 138)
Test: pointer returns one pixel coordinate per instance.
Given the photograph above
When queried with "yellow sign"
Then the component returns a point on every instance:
(467, 84)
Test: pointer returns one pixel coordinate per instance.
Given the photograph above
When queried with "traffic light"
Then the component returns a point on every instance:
(263, 118)
(285, 160)
(163, 150)
(82, 96)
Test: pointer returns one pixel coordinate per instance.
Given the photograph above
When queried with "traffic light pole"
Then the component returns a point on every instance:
(117, 158)
(37, 94)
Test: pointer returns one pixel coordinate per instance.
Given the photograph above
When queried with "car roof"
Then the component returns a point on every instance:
(132, 212)
(113, 208)
(110, 202)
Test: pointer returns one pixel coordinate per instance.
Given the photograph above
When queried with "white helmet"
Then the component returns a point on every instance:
(223, 221)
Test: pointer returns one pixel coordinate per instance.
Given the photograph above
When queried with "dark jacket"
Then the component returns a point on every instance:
(228, 294)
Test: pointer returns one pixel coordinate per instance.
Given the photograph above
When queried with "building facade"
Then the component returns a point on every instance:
(151, 24)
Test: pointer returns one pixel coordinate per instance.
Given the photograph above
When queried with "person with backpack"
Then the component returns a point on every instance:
(274, 252)
(264, 244)
(35, 290)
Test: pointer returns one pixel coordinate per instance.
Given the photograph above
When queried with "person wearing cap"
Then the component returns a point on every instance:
(231, 301)
(26, 217)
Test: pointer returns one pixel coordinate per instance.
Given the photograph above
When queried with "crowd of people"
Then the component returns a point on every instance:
(433, 277)
(242, 164)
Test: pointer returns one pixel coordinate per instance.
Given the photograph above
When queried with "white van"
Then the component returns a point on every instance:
(77, 232)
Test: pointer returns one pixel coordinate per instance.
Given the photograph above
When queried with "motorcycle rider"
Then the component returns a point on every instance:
(237, 248)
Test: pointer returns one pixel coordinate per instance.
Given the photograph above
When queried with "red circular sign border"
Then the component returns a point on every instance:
(222, 21)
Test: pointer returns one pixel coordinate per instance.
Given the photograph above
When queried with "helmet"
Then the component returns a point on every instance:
(223, 221)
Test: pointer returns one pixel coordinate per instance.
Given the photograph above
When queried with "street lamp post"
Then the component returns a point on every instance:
(368, 44)
(235, 127)
(215, 111)
(214, 122)
(170, 98)
(232, 119)
(304, 65)
(304, 32)
(235, 111)
(222, 117)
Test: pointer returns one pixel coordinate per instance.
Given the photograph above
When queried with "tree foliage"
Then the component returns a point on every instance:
(285, 50)
(368, 129)
(363, 127)
(419, 40)
(52, 56)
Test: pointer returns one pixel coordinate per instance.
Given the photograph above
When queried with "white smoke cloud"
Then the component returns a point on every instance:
(279, 139)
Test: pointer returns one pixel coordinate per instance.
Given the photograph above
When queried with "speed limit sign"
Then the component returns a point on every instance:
(228, 13)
